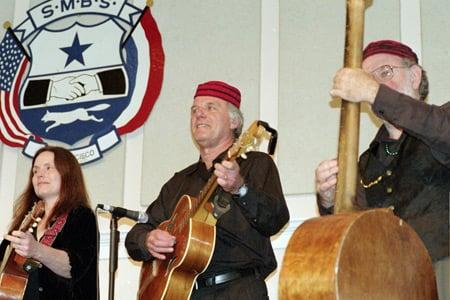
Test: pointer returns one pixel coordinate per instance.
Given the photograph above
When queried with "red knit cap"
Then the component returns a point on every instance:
(390, 47)
(220, 90)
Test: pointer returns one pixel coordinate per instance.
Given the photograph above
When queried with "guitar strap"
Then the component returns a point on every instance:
(221, 202)
(222, 199)
(30, 265)
(50, 234)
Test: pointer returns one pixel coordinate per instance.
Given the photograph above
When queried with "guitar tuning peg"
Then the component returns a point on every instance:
(34, 224)
(244, 156)
(30, 230)
(38, 219)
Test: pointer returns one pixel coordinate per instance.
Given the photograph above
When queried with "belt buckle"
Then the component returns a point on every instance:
(226, 277)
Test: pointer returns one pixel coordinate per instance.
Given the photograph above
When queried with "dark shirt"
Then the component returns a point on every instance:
(79, 239)
(414, 184)
(415, 180)
(428, 123)
(243, 233)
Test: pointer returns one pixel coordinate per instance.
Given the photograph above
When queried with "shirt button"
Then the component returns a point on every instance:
(388, 172)
(244, 203)
(40, 289)
(389, 190)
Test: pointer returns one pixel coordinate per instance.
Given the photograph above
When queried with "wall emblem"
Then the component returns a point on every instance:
(80, 73)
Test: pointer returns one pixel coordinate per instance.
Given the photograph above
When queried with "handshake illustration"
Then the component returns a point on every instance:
(70, 88)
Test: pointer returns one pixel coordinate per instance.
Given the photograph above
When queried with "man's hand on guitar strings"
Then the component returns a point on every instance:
(159, 242)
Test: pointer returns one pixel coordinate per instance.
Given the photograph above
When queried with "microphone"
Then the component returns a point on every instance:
(139, 216)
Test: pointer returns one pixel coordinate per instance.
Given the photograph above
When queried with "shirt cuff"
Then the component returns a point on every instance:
(386, 103)
(143, 248)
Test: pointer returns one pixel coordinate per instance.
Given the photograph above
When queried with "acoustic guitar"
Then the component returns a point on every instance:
(193, 224)
(15, 268)
(354, 254)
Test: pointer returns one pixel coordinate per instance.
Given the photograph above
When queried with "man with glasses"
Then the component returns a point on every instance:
(407, 165)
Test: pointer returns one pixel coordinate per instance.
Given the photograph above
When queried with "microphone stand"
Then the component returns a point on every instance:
(114, 242)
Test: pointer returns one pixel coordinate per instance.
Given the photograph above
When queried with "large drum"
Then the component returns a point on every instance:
(363, 255)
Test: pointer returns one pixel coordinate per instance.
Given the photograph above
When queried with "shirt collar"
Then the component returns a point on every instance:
(383, 136)
(201, 167)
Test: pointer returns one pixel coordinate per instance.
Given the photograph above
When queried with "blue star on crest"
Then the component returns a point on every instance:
(75, 52)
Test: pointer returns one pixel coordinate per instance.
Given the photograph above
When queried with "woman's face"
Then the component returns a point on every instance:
(46, 178)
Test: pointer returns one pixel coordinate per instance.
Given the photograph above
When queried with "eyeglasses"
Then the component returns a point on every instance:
(385, 72)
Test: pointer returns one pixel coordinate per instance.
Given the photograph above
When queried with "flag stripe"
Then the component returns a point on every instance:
(8, 131)
(10, 120)
(12, 67)
(14, 101)
(5, 134)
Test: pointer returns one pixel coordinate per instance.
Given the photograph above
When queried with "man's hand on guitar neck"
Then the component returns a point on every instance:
(228, 176)
(159, 242)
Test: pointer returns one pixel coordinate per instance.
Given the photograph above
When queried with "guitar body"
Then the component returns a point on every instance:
(13, 279)
(174, 277)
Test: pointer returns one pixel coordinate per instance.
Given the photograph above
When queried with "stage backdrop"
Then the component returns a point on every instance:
(282, 56)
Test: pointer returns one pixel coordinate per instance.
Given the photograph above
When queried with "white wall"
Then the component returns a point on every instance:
(282, 55)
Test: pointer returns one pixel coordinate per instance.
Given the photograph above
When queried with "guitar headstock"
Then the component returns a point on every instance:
(33, 217)
(251, 139)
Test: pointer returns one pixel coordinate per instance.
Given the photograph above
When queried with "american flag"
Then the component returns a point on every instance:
(13, 63)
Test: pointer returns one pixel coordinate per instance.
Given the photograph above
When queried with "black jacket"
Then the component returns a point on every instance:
(79, 239)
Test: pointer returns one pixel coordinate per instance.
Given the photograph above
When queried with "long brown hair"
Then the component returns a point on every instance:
(72, 194)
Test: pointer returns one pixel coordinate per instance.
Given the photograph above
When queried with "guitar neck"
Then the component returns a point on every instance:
(5, 258)
(203, 207)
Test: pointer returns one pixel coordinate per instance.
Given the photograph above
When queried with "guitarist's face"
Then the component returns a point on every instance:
(46, 178)
(210, 122)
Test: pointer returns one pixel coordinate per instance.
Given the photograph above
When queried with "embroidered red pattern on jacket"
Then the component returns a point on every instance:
(51, 233)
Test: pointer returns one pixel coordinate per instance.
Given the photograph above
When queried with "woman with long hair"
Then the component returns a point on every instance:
(65, 240)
